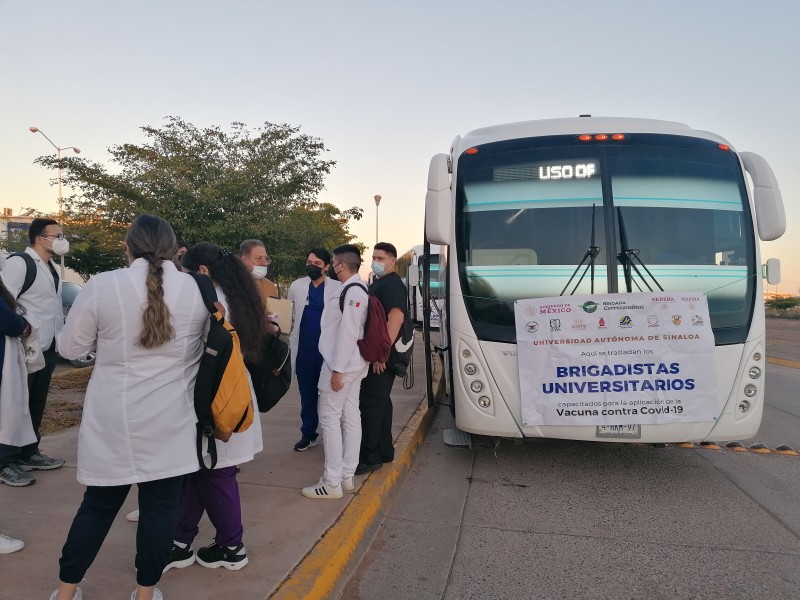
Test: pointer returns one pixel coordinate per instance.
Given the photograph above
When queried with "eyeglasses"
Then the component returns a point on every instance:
(58, 236)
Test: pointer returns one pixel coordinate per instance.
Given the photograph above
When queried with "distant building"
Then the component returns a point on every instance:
(14, 232)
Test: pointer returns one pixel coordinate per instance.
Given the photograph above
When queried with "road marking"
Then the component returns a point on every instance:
(756, 448)
(782, 361)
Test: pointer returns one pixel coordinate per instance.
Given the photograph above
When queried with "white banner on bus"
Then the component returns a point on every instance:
(616, 359)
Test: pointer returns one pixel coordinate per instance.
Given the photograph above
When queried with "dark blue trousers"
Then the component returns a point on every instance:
(307, 369)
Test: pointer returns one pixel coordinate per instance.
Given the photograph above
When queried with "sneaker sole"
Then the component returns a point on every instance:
(231, 566)
(17, 483)
(41, 468)
(181, 564)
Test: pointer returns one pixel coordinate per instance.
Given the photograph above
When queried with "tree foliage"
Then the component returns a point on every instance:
(783, 305)
(210, 184)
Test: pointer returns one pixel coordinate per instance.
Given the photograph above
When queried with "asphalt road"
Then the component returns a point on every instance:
(560, 519)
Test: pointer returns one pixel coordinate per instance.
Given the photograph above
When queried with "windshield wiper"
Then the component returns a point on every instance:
(591, 253)
(629, 257)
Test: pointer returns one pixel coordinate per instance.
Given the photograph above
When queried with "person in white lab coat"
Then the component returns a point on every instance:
(309, 296)
(146, 324)
(216, 491)
(343, 369)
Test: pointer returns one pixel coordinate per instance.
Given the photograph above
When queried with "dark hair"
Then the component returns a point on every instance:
(37, 228)
(386, 247)
(350, 255)
(248, 313)
(151, 238)
(321, 254)
(9, 299)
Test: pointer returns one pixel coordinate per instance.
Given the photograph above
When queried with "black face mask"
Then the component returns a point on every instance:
(314, 272)
(332, 274)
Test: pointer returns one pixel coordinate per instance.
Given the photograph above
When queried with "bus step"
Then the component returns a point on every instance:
(456, 437)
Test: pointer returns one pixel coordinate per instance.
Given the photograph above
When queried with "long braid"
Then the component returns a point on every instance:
(157, 326)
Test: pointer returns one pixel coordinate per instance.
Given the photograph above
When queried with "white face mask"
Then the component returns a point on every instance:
(378, 269)
(60, 247)
(259, 272)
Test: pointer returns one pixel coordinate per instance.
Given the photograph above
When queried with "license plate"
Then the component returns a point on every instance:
(631, 432)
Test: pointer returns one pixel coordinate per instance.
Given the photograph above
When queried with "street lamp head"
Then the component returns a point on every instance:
(377, 199)
(33, 129)
(76, 150)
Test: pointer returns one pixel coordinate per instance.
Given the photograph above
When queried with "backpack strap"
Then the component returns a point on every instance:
(344, 292)
(205, 426)
(30, 271)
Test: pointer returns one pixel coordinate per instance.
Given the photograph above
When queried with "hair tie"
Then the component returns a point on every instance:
(225, 253)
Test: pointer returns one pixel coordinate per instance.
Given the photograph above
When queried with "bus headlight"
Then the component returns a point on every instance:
(477, 387)
(756, 355)
(466, 353)
(470, 369)
(744, 406)
(750, 390)
(754, 372)
(484, 402)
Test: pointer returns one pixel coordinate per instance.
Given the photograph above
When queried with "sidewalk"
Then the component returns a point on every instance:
(281, 526)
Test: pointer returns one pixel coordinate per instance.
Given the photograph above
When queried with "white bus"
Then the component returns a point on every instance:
(514, 209)
(410, 267)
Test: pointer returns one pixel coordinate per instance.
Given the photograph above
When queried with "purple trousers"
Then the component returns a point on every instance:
(215, 492)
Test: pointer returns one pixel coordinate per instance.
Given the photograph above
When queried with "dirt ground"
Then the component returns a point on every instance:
(65, 402)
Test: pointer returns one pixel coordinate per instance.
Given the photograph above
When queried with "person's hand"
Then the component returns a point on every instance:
(378, 367)
(337, 381)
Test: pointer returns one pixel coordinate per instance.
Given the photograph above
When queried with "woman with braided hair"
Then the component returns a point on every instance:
(146, 324)
(216, 491)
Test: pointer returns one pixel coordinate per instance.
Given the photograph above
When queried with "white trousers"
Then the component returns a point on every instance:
(340, 420)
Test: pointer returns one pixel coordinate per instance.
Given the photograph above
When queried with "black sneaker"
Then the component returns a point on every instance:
(214, 556)
(305, 443)
(179, 557)
(364, 468)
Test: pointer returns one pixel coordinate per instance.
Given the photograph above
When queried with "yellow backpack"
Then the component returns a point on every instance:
(223, 401)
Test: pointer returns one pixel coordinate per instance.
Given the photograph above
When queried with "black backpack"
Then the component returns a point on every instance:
(272, 377)
(30, 271)
(403, 348)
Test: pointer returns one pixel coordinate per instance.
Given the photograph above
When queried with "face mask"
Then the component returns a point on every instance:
(332, 273)
(314, 272)
(60, 247)
(259, 272)
(378, 269)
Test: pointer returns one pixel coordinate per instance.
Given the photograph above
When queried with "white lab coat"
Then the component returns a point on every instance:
(138, 415)
(341, 329)
(16, 428)
(298, 294)
(242, 446)
(42, 301)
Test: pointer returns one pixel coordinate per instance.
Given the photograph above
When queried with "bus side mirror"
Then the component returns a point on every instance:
(438, 202)
(770, 216)
(413, 276)
(772, 271)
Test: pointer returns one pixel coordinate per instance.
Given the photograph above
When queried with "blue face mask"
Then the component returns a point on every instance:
(378, 269)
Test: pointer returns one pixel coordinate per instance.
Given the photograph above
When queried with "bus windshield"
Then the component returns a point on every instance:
(531, 211)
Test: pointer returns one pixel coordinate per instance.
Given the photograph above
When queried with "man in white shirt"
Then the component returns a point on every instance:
(42, 303)
(343, 368)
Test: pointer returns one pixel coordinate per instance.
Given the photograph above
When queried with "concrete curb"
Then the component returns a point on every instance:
(340, 548)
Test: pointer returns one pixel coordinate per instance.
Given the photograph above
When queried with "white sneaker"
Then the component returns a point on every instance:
(78, 595)
(133, 516)
(9, 544)
(348, 484)
(157, 595)
(323, 490)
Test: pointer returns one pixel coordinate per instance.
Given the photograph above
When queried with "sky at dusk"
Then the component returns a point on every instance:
(386, 86)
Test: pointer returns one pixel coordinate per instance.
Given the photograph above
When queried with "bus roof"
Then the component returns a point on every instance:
(576, 126)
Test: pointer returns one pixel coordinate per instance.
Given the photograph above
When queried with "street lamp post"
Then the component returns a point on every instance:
(58, 148)
(377, 204)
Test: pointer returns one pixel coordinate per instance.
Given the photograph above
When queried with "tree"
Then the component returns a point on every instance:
(210, 184)
(783, 305)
